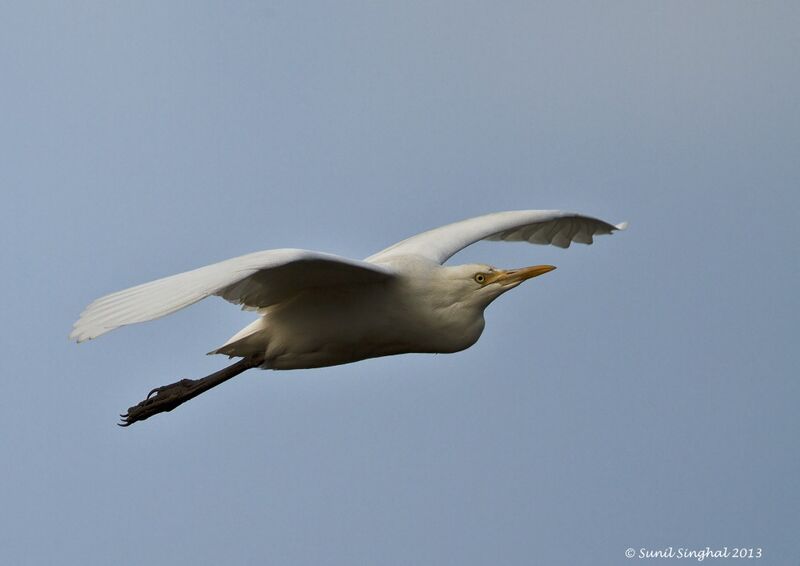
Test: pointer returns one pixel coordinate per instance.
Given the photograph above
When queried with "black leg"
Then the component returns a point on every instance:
(167, 397)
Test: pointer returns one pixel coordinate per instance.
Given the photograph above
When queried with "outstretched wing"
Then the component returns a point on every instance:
(535, 226)
(255, 280)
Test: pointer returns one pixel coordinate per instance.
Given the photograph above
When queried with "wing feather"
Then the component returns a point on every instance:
(553, 227)
(255, 280)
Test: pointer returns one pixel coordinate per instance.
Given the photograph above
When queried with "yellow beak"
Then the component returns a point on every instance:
(517, 276)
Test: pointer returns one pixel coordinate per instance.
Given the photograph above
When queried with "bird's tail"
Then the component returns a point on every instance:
(249, 342)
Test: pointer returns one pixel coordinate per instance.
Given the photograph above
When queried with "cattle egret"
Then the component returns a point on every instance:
(317, 309)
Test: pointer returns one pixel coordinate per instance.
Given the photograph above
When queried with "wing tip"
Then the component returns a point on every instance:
(621, 226)
(83, 331)
(78, 335)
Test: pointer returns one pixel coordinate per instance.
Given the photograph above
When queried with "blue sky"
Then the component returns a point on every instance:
(643, 395)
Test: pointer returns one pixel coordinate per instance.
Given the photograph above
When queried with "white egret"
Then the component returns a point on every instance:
(318, 309)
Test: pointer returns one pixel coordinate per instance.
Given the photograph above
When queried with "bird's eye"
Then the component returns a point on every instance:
(480, 278)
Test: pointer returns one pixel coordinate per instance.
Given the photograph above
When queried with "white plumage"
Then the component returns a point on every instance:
(255, 280)
(535, 226)
(261, 279)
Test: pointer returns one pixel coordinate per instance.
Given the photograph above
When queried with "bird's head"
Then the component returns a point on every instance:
(480, 284)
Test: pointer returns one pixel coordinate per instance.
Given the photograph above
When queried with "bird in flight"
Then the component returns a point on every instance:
(318, 309)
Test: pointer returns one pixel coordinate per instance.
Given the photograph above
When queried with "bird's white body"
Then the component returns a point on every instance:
(422, 310)
(319, 309)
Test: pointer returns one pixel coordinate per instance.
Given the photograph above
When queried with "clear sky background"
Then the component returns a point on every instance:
(644, 395)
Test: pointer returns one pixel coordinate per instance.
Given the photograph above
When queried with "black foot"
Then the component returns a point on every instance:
(166, 398)
(162, 399)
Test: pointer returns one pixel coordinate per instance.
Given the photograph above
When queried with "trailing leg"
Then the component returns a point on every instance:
(167, 397)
